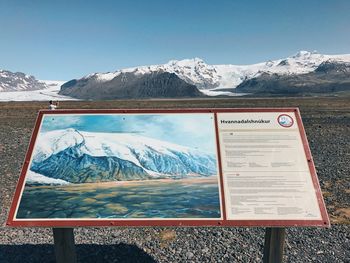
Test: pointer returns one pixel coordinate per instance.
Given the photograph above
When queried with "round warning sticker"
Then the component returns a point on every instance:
(285, 120)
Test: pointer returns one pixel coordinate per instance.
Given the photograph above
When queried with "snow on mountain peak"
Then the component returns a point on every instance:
(18, 81)
(305, 54)
(155, 157)
(102, 144)
(55, 141)
(192, 62)
(194, 71)
(210, 77)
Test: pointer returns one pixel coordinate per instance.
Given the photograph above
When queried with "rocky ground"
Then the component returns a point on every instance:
(327, 124)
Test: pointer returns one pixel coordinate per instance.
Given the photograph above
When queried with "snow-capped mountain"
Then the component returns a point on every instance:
(18, 81)
(328, 78)
(210, 77)
(128, 85)
(193, 71)
(78, 156)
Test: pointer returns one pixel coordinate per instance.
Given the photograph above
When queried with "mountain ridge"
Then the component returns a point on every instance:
(128, 85)
(195, 71)
(211, 80)
(328, 77)
(19, 81)
(77, 157)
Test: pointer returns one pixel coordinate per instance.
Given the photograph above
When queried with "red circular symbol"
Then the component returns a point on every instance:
(285, 120)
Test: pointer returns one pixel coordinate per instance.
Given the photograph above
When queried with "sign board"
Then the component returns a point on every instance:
(191, 167)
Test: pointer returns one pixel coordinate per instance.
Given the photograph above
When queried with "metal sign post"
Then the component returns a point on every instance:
(64, 245)
(274, 245)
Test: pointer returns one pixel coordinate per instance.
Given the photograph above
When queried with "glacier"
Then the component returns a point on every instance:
(81, 157)
(46, 94)
(35, 178)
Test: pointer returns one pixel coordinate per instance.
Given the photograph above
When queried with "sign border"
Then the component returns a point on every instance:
(324, 222)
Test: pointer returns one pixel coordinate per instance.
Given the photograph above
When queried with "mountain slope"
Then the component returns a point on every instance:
(193, 71)
(75, 167)
(130, 85)
(328, 77)
(77, 157)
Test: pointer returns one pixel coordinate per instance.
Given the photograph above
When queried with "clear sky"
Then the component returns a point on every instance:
(62, 40)
(192, 130)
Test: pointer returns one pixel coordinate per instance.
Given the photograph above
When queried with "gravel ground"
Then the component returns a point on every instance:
(327, 124)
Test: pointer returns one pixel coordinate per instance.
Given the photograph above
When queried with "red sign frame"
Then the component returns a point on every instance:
(324, 222)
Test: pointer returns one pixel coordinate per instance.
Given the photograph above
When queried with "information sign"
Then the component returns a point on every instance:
(192, 167)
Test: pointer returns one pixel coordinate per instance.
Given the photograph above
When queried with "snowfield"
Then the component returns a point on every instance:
(33, 177)
(51, 93)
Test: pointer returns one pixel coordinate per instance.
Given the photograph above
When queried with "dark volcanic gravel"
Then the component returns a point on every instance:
(327, 124)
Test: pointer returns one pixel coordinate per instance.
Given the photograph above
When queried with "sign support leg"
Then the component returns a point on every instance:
(274, 245)
(64, 245)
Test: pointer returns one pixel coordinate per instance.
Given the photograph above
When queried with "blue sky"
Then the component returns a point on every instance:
(192, 130)
(62, 40)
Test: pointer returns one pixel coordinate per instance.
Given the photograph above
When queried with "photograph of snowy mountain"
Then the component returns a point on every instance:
(123, 166)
